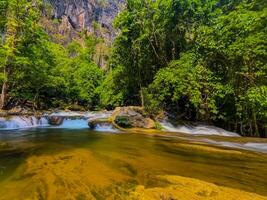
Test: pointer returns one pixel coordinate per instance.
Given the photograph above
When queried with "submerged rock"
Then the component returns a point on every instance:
(65, 175)
(183, 188)
(132, 117)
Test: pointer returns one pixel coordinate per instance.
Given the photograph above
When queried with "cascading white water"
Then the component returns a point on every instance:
(197, 130)
(72, 120)
(20, 122)
(212, 130)
(105, 128)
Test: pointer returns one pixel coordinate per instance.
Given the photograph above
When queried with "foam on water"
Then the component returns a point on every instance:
(197, 130)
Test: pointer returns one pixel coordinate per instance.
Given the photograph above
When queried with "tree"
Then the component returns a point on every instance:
(234, 48)
(21, 22)
(203, 60)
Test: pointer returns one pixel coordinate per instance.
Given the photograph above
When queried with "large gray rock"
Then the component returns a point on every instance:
(132, 117)
(92, 123)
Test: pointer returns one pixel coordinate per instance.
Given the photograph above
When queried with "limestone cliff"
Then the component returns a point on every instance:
(87, 14)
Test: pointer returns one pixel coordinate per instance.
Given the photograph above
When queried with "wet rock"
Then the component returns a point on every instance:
(55, 120)
(183, 188)
(132, 117)
(92, 123)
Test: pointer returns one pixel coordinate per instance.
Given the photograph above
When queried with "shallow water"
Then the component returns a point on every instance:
(52, 163)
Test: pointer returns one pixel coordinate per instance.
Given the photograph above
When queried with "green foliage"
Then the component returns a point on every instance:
(159, 126)
(111, 91)
(257, 99)
(186, 83)
(234, 48)
(75, 76)
(40, 72)
(200, 60)
(153, 33)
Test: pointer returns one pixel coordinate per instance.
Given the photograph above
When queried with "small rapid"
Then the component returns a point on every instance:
(197, 130)
(65, 120)
(200, 131)
(22, 122)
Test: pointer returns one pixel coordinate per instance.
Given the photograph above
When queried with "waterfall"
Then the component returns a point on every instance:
(69, 120)
(20, 122)
(197, 130)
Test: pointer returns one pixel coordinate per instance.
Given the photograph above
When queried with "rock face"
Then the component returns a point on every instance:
(132, 117)
(81, 14)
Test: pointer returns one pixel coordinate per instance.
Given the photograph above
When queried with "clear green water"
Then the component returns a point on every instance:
(119, 162)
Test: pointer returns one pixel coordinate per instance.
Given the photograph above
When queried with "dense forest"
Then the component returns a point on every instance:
(198, 60)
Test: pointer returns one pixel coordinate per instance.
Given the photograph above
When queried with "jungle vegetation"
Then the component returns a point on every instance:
(199, 60)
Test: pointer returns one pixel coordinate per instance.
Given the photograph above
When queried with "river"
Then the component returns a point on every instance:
(73, 162)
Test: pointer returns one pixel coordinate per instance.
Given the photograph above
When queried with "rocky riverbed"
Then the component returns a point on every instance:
(83, 164)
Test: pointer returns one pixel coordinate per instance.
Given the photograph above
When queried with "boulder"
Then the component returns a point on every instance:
(55, 120)
(132, 117)
(92, 123)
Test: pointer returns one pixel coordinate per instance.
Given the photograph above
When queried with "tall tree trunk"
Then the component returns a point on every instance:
(3, 95)
(142, 97)
(255, 124)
